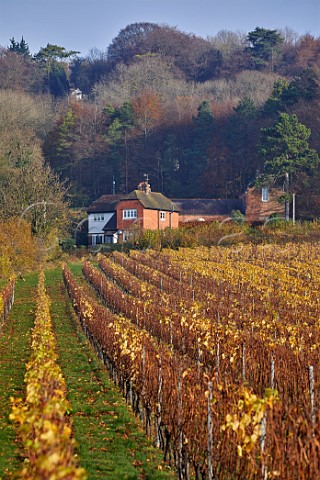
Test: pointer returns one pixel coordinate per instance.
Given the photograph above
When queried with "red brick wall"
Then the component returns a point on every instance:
(146, 218)
(259, 211)
(152, 220)
(129, 223)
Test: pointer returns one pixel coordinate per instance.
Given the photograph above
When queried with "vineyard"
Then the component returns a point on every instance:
(61, 416)
(42, 418)
(215, 348)
(217, 351)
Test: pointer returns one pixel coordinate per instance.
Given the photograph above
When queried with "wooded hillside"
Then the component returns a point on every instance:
(186, 110)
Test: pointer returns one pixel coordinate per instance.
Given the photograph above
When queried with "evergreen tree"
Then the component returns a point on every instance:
(263, 46)
(21, 48)
(285, 148)
(304, 87)
(246, 109)
(57, 80)
(277, 102)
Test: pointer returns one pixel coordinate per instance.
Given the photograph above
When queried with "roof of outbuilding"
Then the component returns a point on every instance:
(152, 200)
(207, 206)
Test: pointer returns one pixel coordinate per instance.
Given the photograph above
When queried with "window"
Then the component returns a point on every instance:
(97, 239)
(265, 195)
(162, 215)
(129, 214)
(99, 217)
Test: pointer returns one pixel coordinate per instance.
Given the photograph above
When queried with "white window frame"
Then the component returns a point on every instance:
(162, 216)
(98, 217)
(129, 214)
(98, 239)
(265, 195)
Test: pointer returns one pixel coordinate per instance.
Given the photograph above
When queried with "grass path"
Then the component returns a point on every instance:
(111, 444)
(14, 352)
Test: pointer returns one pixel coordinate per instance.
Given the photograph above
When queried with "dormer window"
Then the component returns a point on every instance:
(265, 195)
(99, 217)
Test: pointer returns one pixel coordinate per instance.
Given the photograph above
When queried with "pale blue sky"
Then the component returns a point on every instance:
(85, 24)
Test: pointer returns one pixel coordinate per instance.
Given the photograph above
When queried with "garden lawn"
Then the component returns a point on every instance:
(110, 442)
(14, 353)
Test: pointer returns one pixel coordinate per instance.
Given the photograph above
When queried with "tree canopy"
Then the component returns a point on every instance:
(54, 53)
(285, 148)
(263, 45)
(187, 110)
(22, 48)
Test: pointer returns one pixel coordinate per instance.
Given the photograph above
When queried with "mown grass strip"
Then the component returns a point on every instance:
(42, 417)
(111, 444)
(14, 352)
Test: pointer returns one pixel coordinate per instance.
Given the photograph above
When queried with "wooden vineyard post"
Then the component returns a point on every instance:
(263, 434)
(244, 361)
(159, 438)
(311, 389)
(210, 431)
(182, 462)
(218, 358)
(143, 390)
(263, 426)
(180, 443)
(218, 351)
(199, 357)
(272, 372)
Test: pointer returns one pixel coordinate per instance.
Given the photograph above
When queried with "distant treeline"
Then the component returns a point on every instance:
(186, 110)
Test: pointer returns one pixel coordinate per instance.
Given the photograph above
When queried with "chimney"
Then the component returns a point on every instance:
(145, 186)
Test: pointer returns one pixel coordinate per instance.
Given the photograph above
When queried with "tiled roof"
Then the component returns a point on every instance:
(104, 204)
(111, 225)
(158, 201)
(152, 200)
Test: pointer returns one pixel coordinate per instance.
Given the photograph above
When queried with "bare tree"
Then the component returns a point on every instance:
(228, 42)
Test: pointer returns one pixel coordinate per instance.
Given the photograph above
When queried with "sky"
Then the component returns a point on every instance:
(84, 25)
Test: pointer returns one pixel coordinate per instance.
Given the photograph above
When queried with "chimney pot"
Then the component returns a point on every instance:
(144, 187)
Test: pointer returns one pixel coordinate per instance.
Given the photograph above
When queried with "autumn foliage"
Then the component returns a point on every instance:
(216, 349)
(6, 298)
(18, 247)
(42, 418)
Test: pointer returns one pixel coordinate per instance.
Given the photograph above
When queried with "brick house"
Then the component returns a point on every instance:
(261, 203)
(113, 218)
(146, 210)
